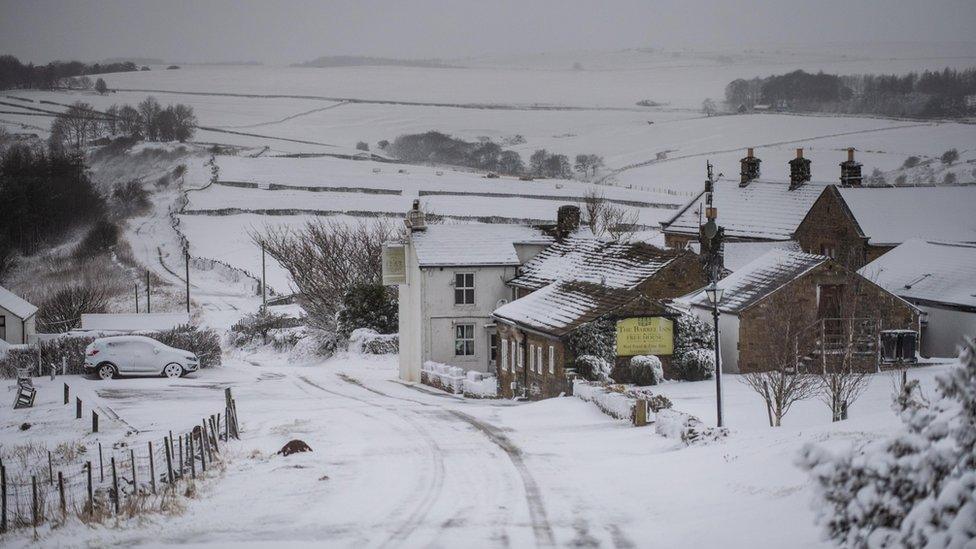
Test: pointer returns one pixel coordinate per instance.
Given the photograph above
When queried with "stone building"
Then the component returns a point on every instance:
(801, 310)
(574, 283)
(17, 320)
(940, 279)
(451, 277)
(857, 225)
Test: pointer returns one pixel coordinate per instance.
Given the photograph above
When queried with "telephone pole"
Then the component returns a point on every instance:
(187, 261)
(148, 299)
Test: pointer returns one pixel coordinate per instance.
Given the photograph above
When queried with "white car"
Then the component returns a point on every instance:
(108, 357)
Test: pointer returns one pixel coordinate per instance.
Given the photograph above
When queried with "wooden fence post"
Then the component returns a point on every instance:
(205, 444)
(213, 434)
(3, 499)
(94, 421)
(193, 461)
(101, 464)
(227, 424)
(77, 408)
(132, 460)
(64, 505)
(152, 469)
(34, 499)
(67, 394)
(115, 485)
(182, 463)
(91, 493)
(169, 459)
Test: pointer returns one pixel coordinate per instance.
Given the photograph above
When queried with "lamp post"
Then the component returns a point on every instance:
(714, 294)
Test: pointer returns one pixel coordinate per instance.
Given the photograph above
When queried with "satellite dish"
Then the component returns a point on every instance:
(501, 302)
(710, 229)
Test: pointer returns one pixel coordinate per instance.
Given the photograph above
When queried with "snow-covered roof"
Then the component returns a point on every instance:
(559, 308)
(613, 264)
(757, 279)
(473, 244)
(736, 255)
(766, 210)
(15, 304)
(132, 322)
(928, 272)
(889, 216)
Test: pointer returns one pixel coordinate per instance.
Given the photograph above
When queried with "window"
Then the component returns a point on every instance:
(3, 328)
(521, 356)
(513, 355)
(492, 349)
(538, 358)
(464, 340)
(504, 361)
(552, 360)
(464, 288)
(828, 250)
(531, 354)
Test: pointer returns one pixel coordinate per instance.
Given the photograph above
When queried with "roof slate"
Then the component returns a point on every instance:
(561, 307)
(16, 304)
(765, 210)
(889, 216)
(473, 244)
(920, 270)
(613, 264)
(757, 279)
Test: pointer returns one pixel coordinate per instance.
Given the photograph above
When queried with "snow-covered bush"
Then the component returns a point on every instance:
(655, 402)
(314, 344)
(686, 427)
(367, 341)
(694, 364)
(204, 343)
(593, 367)
(646, 370)
(258, 326)
(372, 306)
(694, 344)
(916, 489)
(597, 338)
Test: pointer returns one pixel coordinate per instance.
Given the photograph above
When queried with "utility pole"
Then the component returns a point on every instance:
(711, 247)
(137, 296)
(264, 283)
(187, 261)
(148, 299)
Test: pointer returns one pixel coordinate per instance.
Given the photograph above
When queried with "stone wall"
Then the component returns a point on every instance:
(829, 229)
(535, 382)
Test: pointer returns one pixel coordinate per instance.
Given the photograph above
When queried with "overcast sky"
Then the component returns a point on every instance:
(284, 32)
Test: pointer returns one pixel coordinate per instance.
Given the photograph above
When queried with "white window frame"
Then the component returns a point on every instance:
(464, 289)
(531, 357)
(521, 356)
(538, 359)
(473, 339)
(552, 360)
(514, 354)
(503, 356)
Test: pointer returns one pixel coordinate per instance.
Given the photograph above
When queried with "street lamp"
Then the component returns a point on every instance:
(714, 294)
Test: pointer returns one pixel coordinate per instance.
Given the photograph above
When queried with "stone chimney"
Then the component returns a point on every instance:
(850, 171)
(799, 170)
(750, 168)
(416, 219)
(567, 220)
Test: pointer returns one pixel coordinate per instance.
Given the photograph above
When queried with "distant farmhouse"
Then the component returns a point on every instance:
(17, 319)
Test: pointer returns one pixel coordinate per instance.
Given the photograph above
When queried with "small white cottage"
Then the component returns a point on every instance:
(17, 319)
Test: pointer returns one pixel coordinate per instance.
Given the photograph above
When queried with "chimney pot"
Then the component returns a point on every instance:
(749, 152)
(850, 171)
(850, 154)
(799, 153)
(749, 168)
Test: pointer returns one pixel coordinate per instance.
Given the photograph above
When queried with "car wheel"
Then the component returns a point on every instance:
(173, 370)
(106, 371)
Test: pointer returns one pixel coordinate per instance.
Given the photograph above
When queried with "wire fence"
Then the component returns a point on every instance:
(124, 479)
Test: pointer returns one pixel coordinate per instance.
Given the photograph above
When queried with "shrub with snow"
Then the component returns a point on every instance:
(613, 403)
(646, 370)
(596, 338)
(686, 427)
(314, 344)
(916, 489)
(367, 341)
(258, 327)
(694, 364)
(693, 358)
(593, 367)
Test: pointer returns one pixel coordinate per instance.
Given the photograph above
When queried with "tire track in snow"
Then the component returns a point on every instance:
(533, 496)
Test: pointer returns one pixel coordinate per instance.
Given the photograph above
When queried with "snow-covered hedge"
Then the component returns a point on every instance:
(614, 404)
(368, 341)
(916, 489)
(455, 380)
(686, 427)
(594, 367)
(646, 370)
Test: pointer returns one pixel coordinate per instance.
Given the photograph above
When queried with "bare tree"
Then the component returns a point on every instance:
(149, 110)
(75, 126)
(607, 219)
(129, 120)
(776, 376)
(62, 310)
(326, 259)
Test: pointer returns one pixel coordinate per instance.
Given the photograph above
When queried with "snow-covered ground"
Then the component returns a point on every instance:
(404, 465)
